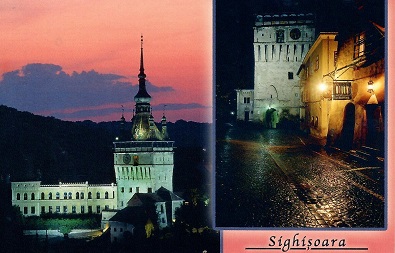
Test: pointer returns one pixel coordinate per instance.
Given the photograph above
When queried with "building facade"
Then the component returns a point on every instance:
(33, 198)
(319, 61)
(136, 215)
(280, 44)
(245, 104)
(343, 85)
(142, 167)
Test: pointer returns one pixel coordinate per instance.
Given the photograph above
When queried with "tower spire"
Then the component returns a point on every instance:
(141, 74)
(144, 127)
(142, 93)
(164, 125)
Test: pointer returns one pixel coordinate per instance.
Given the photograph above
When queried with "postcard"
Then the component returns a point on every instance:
(303, 130)
(105, 126)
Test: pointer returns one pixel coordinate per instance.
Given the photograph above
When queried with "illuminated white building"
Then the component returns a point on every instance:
(32, 198)
(134, 215)
(245, 104)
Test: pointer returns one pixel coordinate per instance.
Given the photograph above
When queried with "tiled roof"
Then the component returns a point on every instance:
(167, 195)
(140, 199)
(131, 214)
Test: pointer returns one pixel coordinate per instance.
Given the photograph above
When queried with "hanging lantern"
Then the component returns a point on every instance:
(370, 86)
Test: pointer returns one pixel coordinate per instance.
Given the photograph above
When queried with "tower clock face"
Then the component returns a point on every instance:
(126, 158)
(295, 33)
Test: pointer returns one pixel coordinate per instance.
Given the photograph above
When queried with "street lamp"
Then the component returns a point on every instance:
(325, 86)
(325, 90)
(370, 86)
(322, 87)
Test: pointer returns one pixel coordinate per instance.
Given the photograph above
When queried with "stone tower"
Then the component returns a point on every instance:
(280, 44)
(145, 163)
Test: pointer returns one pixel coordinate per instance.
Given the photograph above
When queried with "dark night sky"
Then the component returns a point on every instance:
(234, 19)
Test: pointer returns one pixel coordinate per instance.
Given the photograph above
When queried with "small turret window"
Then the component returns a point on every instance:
(135, 160)
(280, 36)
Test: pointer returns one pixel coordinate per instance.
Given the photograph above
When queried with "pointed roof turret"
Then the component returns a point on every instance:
(142, 94)
(122, 118)
(123, 132)
(164, 125)
(144, 127)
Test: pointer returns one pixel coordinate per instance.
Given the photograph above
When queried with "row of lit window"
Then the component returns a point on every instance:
(314, 122)
(137, 189)
(280, 35)
(115, 229)
(65, 195)
(287, 49)
(65, 209)
(129, 171)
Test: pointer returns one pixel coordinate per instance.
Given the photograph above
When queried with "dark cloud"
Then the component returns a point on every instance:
(44, 87)
(89, 113)
(173, 107)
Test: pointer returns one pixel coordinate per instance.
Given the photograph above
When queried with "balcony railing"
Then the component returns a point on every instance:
(122, 146)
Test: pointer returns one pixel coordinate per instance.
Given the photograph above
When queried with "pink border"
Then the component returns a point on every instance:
(375, 241)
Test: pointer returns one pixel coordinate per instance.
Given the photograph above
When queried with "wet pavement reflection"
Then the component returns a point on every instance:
(279, 178)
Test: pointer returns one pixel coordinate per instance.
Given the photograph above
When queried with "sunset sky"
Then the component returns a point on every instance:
(79, 60)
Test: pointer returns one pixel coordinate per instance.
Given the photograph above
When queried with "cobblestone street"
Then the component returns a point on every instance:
(278, 178)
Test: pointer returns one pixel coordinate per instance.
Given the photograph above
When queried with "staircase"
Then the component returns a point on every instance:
(368, 156)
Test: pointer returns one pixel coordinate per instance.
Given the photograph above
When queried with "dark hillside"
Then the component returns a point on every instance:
(35, 147)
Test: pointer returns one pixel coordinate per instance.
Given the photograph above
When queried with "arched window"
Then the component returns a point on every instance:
(25, 196)
(98, 195)
(18, 196)
(50, 195)
(65, 195)
(70, 195)
(316, 122)
(57, 195)
(89, 195)
(77, 195)
(32, 196)
(106, 195)
(42, 195)
(82, 195)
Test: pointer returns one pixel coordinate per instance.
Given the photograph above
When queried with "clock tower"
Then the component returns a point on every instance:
(144, 163)
(281, 41)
